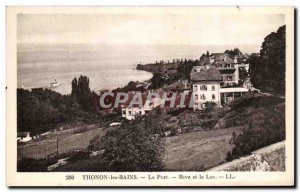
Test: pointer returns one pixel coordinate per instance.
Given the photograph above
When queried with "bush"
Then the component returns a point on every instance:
(32, 165)
(130, 148)
(86, 165)
(210, 106)
(79, 156)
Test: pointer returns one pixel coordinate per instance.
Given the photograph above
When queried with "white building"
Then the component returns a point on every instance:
(205, 86)
(131, 111)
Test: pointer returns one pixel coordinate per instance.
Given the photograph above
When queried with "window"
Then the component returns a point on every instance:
(196, 97)
(212, 87)
(140, 112)
(213, 97)
(195, 87)
(124, 112)
(203, 97)
(129, 112)
(203, 88)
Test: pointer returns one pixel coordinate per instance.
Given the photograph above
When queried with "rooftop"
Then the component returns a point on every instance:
(206, 74)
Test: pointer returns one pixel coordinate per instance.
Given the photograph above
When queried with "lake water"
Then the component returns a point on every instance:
(107, 67)
(39, 66)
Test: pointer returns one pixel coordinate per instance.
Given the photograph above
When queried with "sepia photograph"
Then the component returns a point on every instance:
(151, 90)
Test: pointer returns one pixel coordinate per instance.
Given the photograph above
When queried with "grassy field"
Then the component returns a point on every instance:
(197, 151)
(193, 151)
(67, 141)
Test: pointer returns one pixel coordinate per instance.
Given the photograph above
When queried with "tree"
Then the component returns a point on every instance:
(41, 110)
(209, 106)
(267, 71)
(243, 74)
(130, 148)
(36, 111)
(157, 81)
(74, 87)
(81, 86)
(233, 53)
(184, 69)
(81, 91)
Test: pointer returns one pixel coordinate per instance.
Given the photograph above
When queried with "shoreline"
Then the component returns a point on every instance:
(96, 89)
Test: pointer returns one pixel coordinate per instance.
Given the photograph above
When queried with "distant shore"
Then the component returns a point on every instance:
(101, 80)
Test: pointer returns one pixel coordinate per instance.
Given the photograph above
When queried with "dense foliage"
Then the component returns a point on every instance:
(267, 71)
(243, 74)
(233, 53)
(129, 148)
(185, 68)
(32, 165)
(81, 91)
(157, 81)
(264, 128)
(41, 110)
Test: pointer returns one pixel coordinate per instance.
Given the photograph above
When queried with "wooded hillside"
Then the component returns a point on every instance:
(267, 71)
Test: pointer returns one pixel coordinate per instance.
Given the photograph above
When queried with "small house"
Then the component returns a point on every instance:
(23, 137)
(131, 110)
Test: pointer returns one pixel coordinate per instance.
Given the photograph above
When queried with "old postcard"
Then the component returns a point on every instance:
(150, 96)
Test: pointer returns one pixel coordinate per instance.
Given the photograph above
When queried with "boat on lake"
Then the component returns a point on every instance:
(54, 84)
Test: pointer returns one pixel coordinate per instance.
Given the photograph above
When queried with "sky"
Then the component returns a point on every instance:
(147, 29)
